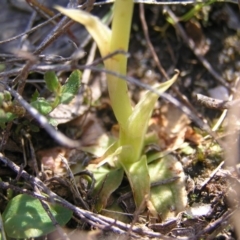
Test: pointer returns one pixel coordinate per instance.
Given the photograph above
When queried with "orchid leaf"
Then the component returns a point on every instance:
(99, 31)
(139, 180)
(168, 199)
(107, 43)
(107, 181)
(138, 121)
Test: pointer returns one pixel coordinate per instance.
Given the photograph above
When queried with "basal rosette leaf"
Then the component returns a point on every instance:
(107, 181)
(138, 177)
(167, 199)
(25, 217)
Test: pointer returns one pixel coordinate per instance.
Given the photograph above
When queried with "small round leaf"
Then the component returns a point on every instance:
(52, 81)
(24, 217)
(42, 105)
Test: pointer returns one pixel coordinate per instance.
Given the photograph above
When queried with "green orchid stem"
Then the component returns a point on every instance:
(118, 90)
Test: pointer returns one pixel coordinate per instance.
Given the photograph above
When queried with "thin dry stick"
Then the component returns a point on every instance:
(149, 44)
(31, 30)
(88, 5)
(74, 184)
(163, 2)
(223, 220)
(192, 46)
(213, 173)
(63, 67)
(22, 77)
(137, 213)
(41, 9)
(33, 158)
(87, 72)
(29, 26)
(217, 104)
(224, 113)
(213, 102)
(158, 63)
(46, 13)
(59, 29)
(5, 135)
(60, 231)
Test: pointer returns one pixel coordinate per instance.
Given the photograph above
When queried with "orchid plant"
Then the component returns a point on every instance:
(125, 155)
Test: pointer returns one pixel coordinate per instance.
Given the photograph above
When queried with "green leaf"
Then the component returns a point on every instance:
(66, 97)
(35, 96)
(24, 217)
(2, 231)
(10, 116)
(52, 81)
(139, 180)
(107, 181)
(6, 117)
(42, 105)
(168, 199)
(33, 128)
(70, 88)
(138, 121)
(99, 31)
(7, 95)
(53, 122)
(1, 98)
(105, 146)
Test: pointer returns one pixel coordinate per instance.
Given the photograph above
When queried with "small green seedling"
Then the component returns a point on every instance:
(193, 11)
(63, 94)
(9, 110)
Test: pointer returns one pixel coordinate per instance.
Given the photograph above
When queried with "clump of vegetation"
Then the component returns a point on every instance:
(9, 110)
(126, 154)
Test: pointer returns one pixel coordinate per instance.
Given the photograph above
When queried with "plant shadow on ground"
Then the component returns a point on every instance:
(215, 33)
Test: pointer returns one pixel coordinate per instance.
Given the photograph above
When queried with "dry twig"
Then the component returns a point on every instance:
(192, 46)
